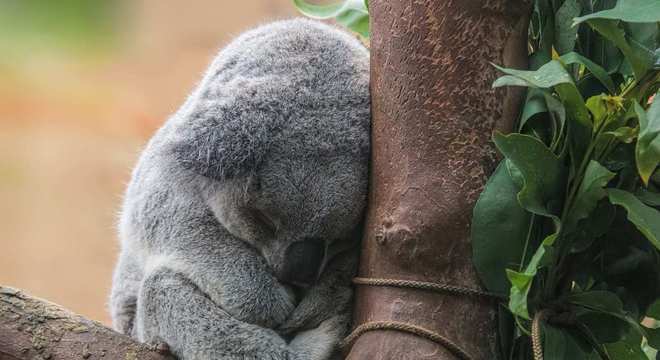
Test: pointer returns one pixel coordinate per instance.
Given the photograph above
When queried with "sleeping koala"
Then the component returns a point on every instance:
(240, 225)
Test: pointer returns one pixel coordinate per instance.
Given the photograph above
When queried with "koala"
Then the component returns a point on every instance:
(241, 224)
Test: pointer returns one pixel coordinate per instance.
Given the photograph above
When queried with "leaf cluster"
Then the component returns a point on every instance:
(353, 14)
(568, 224)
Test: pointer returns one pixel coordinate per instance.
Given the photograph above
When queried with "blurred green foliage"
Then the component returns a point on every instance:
(31, 26)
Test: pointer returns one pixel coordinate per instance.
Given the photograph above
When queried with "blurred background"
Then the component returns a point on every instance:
(83, 85)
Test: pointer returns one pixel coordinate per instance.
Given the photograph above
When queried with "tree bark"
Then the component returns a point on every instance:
(433, 114)
(32, 328)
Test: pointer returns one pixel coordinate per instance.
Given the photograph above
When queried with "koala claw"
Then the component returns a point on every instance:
(160, 347)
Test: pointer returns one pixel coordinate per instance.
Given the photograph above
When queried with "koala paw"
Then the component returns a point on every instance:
(320, 343)
(318, 305)
(268, 308)
(284, 305)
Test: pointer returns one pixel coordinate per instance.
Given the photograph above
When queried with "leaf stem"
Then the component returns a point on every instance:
(527, 241)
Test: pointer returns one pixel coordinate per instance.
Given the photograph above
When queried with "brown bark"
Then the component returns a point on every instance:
(32, 328)
(433, 114)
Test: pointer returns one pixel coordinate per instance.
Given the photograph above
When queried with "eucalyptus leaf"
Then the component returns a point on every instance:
(624, 134)
(654, 310)
(642, 11)
(596, 70)
(645, 218)
(647, 151)
(509, 80)
(640, 58)
(598, 109)
(499, 230)
(534, 104)
(648, 197)
(645, 33)
(552, 74)
(604, 327)
(653, 337)
(329, 11)
(548, 75)
(592, 189)
(522, 281)
(554, 343)
(603, 301)
(624, 350)
(354, 14)
(356, 21)
(559, 343)
(565, 34)
(629, 348)
(542, 171)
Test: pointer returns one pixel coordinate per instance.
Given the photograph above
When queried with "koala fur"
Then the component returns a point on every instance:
(240, 226)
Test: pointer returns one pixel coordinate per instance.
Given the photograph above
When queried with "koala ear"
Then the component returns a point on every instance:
(224, 133)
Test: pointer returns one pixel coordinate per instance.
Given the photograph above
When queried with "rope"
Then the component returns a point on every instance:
(407, 328)
(423, 285)
(537, 347)
(413, 329)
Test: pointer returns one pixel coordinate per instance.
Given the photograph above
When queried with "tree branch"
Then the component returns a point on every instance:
(31, 328)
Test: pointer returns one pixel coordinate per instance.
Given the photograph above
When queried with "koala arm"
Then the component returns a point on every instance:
(238, 280)
(330, 297)
(172, 309)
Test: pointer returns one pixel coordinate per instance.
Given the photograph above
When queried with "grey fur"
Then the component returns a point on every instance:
(260, 177)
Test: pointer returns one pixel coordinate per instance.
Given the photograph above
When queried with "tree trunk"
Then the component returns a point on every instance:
(433, 114)
(31, 328)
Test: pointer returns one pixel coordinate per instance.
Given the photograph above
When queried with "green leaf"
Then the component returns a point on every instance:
(554, 75)
(654, 310)
(548, 75)
(643, 11)
(355, 21)
(595, 226)
(505, 332)
(598, 109)
(629, 348)
(640, 58)
(542, 172)
(559, 343)
(554, 343)
(596, 70)
(648, 197)
(592, 189)
(645, 218)
(542, 101)
(330, 11)
(565, 34)
(354, 14)
(624, 134)
(509, 80)
(603, 301)
(534, 104)
(653, 337)
(604, 327)
(644, 33)
(647, 151)
(498, 231)
(522, 281)
(609, 303)
(624, 350)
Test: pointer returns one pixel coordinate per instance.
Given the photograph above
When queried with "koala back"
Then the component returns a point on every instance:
(281, 82)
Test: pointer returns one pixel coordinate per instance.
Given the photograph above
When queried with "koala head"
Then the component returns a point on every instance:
(278, 131)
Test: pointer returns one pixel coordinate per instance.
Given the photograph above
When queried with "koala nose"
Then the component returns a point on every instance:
(302, 262)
